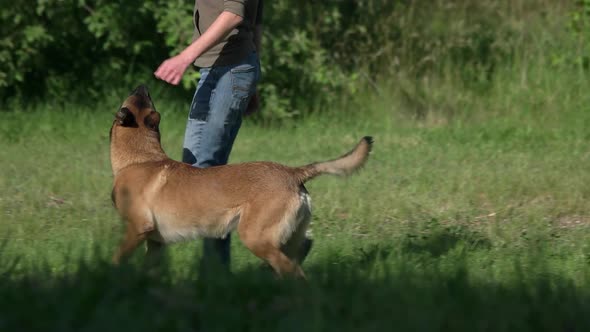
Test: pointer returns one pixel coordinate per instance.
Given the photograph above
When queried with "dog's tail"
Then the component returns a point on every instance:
(342, 166)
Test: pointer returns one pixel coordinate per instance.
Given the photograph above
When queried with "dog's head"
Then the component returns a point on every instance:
(138, 112)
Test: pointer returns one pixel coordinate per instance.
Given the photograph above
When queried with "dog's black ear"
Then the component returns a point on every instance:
(125, 118)
(152, 121)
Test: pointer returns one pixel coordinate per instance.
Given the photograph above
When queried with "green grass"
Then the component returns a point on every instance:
(475, 222)
(473, 217)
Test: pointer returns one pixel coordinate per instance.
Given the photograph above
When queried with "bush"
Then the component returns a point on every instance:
(314, 53)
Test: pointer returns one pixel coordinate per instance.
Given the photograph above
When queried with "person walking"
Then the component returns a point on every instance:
(225, 48)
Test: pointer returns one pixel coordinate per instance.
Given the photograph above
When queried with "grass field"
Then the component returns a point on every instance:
(474, 217)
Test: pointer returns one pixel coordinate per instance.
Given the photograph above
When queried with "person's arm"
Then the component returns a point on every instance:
(172, 69)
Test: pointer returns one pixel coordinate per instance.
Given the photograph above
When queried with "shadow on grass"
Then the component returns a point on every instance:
(437, 240)
(377, 291)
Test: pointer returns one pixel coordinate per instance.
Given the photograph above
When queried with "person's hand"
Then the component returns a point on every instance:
(172, 69)
(253, 105)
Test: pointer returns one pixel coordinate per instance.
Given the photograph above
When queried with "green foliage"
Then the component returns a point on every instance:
(300, 70)
(579, 27)
(315, 54)
(474, 218)
(580, 18)
(21, 38)
(73, 49)
(174, 22)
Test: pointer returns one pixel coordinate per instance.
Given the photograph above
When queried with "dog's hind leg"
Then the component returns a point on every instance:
(283, 265)
(298, 245)
(272, 254)
(154, 250)
(130, 242)
(304, 249)
(263, 236)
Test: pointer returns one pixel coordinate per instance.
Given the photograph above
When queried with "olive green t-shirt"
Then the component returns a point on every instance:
(239, 42)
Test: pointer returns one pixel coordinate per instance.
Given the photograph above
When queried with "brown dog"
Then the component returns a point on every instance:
(165, 201)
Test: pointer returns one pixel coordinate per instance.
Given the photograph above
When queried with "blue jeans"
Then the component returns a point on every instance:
(215, 116)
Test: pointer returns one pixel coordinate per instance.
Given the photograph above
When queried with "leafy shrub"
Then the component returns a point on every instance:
(579, 31)
(314, 53)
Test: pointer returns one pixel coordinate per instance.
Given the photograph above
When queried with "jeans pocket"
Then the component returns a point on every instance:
(243, 80)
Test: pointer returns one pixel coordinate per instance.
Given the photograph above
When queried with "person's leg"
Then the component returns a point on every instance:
(197, 117)
(214, 121)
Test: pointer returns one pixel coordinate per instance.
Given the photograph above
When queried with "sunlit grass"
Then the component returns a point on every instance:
(469, 216)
